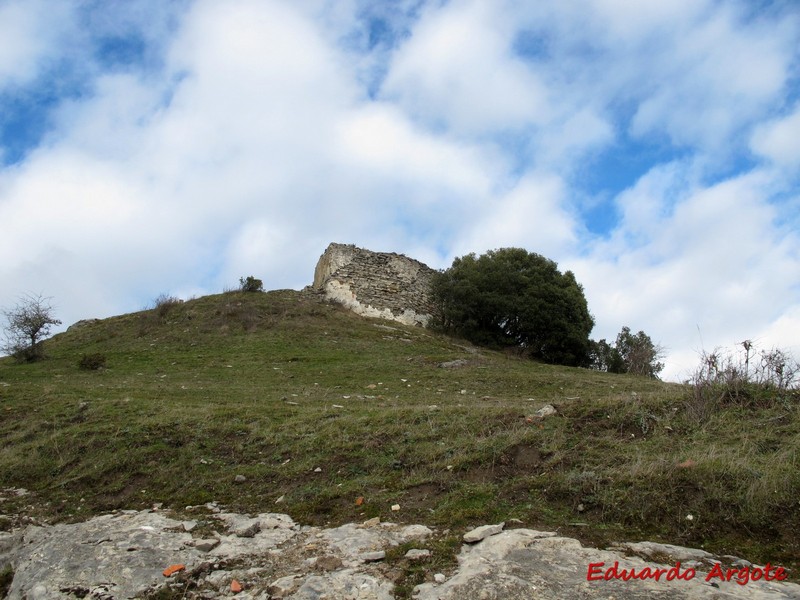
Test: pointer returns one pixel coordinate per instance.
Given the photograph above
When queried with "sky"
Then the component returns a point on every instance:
(155, 147)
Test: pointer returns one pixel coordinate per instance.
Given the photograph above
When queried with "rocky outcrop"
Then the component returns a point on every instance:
(133, 554)
(523, 563)
(375, 284)
(82, 324)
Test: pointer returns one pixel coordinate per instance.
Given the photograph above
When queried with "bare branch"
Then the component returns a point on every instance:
(28, 323)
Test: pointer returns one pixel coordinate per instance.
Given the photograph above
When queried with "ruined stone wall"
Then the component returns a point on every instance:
(376, 284)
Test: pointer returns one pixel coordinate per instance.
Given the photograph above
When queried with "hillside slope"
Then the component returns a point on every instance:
(337, 418)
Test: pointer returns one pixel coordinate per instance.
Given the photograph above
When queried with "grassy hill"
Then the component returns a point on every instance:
(341, 417)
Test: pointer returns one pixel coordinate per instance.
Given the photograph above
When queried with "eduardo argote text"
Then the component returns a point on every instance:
(742, 576)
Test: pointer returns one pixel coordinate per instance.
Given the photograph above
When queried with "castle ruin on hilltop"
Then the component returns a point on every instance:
(375, 284)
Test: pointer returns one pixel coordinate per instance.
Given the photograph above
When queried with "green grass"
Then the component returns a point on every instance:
(274, 386)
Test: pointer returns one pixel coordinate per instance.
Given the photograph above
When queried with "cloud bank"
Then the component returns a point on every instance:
(650, 147)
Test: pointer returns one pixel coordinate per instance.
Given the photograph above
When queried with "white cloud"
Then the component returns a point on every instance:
(783, 332)
(530, 215)
(380, 138)
(695, 73)
(710, 269)
(457, 69)
(256, 156)
(256, 244)
(112, 122)
(779, 140)
(714, 78)
(632, 20)
(644, 206)
(582, 130)
(31, 31)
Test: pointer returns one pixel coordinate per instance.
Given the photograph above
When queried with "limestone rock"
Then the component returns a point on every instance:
(415, 532)
(344, 584)
(651, 550)
(82, 324)
(124, 555)
(546, 411)
(373, 556)
(206, 545)
(281, 588)
(189, 525)
(522, 563)
(9, 542)
(352, 541)
(328, 562)
(482, 532)
(453, 364)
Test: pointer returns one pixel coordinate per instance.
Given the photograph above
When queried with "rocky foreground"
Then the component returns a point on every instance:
(141, 554)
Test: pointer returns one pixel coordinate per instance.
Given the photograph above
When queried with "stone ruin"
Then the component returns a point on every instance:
(375, 284)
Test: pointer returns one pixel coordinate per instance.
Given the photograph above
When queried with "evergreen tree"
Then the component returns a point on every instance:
(636, 354)
(512, 297)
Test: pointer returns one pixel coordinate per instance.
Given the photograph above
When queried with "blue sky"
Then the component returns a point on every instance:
(653, 148)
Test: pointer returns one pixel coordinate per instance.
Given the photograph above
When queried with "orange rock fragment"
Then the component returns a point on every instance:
(359, 500)
(236, 587)
(172, 569)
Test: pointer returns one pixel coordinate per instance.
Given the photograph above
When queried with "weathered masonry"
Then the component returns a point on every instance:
(375, 284)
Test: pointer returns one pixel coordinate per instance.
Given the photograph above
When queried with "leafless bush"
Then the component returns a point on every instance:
(28, 323)
(92, 362)
(743, 377)
(164, 303)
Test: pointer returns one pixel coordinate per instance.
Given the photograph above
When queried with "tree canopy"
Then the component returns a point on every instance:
(512, 297)
(631, 353)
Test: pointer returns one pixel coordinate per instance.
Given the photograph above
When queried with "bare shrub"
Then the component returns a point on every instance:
(92, 362)
(28, 323)
(164, 303)
(746, 377)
